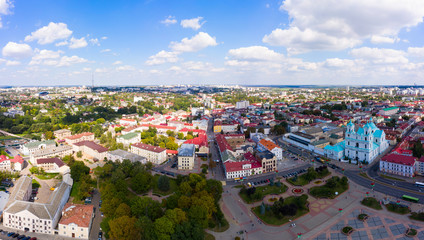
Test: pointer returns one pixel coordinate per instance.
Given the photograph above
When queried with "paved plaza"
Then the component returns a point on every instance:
(323, 222)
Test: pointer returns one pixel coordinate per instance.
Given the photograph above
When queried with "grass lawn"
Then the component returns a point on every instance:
(238, 186)
(262, 191)
(172, 186)
(46, 176)
(372, 203)
(302, 179)
(391, 178)
(209, 236)
(417, 216)
(272, 219)
(329, 190)
(35, 184)
(74, 193)
(397, 208)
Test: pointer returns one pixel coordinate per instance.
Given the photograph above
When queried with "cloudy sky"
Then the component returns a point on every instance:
(291, 42)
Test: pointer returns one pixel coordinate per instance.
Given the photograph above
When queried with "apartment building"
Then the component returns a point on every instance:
(129, 138)
(186, 156)
(398, 164)
(52, 165)
(92, 149)
(32, 147)
(268, 145)
(62, 134)
(153, 154)
(121, 155)
(59, 151)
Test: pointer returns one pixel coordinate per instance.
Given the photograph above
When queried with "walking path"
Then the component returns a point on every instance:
(324, 220)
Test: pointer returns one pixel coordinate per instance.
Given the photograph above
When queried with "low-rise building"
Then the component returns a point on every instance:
(52, 165)
(11, 164)
(398, 164)
(85, 136)
(153, 154)
(186, 155)
(62, 134)
(121, 155)
(268, 145)
(268, 161)
(129, 138)
(388, 111)
(92, 149)
(76, 221)
(32, 216)
(59, 151)
(32, 147)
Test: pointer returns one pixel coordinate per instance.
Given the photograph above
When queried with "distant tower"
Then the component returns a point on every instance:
(92, 80)
(347, 88)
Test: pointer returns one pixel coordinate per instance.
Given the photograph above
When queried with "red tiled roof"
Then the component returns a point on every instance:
(149, 147)
(92, 145)
(76, 136)
(237, 166)
(222, 143)
(18, 159)
(78, 214)
(58, 161)
(171, 151)
(399, 159)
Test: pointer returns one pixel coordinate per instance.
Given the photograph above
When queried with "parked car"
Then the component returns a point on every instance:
(21, 236)
(100, 234)
(26, 238)
(10, 234)
(33, 238)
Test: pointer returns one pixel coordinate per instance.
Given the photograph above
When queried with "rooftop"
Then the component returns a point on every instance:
(92, 145)
(149, 147)
(399, 159)
(58, 161)
(76, 136)
(38, 143)
(186, 150)
(130, 135)
(78, 214)
(127, 155)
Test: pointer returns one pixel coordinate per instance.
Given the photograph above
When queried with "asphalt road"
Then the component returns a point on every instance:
(95, 227)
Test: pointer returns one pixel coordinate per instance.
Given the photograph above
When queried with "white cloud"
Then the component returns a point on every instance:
(338, 63)
(416, 51)
(67, 61)
(12, 63)
(194, 44)
(5, 6)
(45, 57)
(50, 33)
(105, 50)
(101, 70)
(86, 69)
(193, 23)
(255, 53)
(117, 63)
(169, 20)
(104, 38)
(77, 43)
(383, 39)
(17, 50)
(335, 25)
(298, 41)
(380, 55)
(162, 57)
(63, 43)
(125, 68)
(95, 41)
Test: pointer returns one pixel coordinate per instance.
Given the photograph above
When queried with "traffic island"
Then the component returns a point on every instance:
(372, 203)
(347, 230)
(297, 190)
(410, 232)
(363, 217)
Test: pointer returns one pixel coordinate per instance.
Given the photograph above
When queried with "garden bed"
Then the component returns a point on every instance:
(372, 203)
(347, 230)
(396, 208)
(251, 196)
(333, 185)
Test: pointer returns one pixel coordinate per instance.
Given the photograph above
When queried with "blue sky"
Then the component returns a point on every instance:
(346, 42)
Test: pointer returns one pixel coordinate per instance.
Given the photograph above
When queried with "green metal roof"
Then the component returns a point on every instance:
(130, 135)
(390, 108)
(38, 143)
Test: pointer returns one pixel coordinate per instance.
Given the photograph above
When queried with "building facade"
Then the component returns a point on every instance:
(76, 221)
(186, 156)
(153, 154)
(398, 164)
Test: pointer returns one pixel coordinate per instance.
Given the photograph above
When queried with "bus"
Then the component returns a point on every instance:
(409, 198)
(419, 184)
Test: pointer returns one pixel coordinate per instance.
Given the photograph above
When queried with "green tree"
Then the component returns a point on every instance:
(145, 206)
(78, 169)
(417, 149)
(188, 230)
(164, 228)
(141, 182)
(123, 210)
(122, 228)
(79, 154)
(163, 183)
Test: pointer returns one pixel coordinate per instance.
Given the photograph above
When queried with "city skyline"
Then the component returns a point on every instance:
(152, 42)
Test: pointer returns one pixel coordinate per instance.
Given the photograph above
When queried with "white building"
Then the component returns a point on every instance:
(92, 149)
(52, 165)
(242, 104)
(32, 147)
(153, 154)
(266, 144)
(366, 143)
(62, 134)
(85, 136)
(398, 164)
(11, 164)
(129, 138)
(61, 151)
(32, 216)
(121, 155)
(76, 221)
(186, 156)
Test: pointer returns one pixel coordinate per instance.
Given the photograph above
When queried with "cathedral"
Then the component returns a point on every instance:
(363, 144)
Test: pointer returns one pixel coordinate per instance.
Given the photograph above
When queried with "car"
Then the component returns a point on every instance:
(15, 235)
(21, 236)
(10, 234)
(100, 234)
(101, 214)
(33, 238)
(4, 232)
(26, 238)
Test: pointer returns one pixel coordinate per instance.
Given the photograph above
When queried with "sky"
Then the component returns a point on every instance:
(244, 42)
